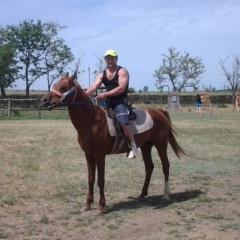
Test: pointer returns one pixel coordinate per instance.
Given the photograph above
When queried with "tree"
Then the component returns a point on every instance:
(232, 74)
(8, 69)
(28, 39)
(181, 70)
(100, 65)
(131, 90)
(160, 80)
(169, 68)
(190, 69)
(56, 54)
(145, 89)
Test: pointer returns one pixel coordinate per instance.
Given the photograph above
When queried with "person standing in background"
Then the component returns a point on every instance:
(199, 105)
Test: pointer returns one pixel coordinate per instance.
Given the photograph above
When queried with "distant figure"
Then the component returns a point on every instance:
(199, 105)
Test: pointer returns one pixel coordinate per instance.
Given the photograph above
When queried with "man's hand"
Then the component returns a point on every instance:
(101, 96)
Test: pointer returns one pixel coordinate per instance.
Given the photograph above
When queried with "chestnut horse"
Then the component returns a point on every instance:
(94, 139)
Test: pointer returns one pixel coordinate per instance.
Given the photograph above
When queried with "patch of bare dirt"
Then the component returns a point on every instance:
(191, 214)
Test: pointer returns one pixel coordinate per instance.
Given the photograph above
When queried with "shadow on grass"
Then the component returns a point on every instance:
(153, 201)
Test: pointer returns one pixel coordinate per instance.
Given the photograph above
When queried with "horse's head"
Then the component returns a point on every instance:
(64, 87)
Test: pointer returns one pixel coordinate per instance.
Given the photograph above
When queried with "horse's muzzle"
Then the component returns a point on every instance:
(45, 103)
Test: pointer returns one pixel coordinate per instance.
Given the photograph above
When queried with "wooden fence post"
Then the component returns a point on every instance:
(39, 110)
(237, 101)
(9, 107)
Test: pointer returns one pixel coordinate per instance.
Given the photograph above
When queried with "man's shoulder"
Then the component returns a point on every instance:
(122, 69)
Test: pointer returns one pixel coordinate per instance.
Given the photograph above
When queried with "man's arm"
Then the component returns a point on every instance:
(95, 85)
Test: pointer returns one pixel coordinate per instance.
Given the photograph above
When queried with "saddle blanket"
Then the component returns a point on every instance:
(142, 123)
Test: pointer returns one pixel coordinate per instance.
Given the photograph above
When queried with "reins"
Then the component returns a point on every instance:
(69, 92)
(75, 103)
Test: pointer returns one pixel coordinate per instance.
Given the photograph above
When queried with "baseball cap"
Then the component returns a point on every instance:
(110, 52)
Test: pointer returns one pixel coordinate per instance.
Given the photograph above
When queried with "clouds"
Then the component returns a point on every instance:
(139, 30)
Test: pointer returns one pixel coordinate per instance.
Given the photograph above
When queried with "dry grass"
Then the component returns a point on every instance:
(43, 178)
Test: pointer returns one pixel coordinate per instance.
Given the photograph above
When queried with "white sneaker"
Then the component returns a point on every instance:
(132, 153)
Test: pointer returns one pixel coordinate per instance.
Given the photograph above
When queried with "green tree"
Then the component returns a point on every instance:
(131, 90)
(28, 39)
(8, 68)
(56, 54)
(232, 74)
(181, 70)
(160, 80)
(190, 69)
(169, 69)
(145, 89)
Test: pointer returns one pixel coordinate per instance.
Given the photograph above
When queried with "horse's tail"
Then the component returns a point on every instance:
(178, 150)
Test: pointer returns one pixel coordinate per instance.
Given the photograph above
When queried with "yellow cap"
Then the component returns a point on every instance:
(110, 52)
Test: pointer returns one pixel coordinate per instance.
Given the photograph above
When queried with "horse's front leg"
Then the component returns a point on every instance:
(91, 164)
(101, 182)
(147, 158)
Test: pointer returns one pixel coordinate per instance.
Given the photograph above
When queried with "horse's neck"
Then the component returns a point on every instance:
(83, 113)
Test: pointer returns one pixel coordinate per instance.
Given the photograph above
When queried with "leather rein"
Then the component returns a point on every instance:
(69, 92)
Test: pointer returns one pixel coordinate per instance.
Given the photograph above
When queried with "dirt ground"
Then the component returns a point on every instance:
(190, 214)
(43, 186)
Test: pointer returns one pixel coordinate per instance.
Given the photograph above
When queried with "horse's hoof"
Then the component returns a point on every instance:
(141, 198)
(85, 209)
(165, 201)
(99, 212)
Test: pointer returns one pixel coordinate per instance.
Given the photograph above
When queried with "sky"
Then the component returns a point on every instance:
(140, 31)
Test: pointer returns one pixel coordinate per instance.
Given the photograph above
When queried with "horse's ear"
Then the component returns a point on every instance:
(66, 75)
(74, 76)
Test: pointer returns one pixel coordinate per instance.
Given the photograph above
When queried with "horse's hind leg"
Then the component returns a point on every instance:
(147, 158)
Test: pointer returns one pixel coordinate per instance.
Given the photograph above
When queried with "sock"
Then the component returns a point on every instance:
(133, 145)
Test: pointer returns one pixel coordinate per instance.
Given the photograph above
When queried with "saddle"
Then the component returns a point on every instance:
(131, 114)
(139, 120)
(119, 131)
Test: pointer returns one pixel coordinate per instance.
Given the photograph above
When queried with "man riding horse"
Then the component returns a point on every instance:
(116, 80)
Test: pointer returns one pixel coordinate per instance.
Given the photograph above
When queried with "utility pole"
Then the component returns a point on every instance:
(89, 76)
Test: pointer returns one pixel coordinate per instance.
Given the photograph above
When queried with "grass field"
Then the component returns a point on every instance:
(43, 178)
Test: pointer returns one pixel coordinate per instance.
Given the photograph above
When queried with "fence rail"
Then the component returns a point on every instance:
(14, 105)
(10, 105)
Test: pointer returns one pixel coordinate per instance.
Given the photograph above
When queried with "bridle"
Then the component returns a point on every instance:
(69, 92)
